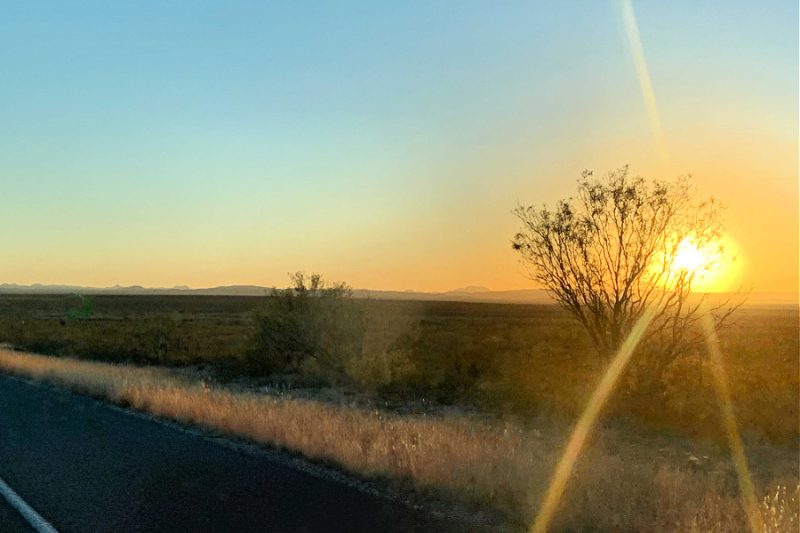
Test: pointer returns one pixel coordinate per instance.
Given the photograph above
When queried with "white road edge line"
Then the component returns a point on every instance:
(32, 517)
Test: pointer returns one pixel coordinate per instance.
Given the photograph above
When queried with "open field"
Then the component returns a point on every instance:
(522, 360)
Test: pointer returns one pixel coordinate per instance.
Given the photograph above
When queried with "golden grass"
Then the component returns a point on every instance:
(617, 486)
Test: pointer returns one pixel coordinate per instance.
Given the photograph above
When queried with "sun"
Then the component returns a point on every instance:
(713, 266)
(691, 259)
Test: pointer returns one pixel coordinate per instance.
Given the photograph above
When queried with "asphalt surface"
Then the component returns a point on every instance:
(85, 466)
(11, 521)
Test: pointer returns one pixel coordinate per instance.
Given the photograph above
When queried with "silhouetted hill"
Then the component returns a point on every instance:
(464, 294)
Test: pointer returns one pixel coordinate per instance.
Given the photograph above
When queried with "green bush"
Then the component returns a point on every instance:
(81, 310)
(308, 328)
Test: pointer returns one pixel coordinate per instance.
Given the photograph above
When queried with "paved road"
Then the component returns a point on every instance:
(85, 467)
(11, 521)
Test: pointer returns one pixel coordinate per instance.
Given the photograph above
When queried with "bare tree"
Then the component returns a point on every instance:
(615, 249)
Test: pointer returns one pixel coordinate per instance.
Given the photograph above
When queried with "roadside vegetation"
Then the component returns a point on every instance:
(520, 360)
(623, 483)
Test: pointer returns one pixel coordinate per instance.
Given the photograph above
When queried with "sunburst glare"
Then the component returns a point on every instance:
(690, 258)
(714, 266)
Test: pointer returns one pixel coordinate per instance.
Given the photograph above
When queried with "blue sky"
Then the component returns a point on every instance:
(209, 143)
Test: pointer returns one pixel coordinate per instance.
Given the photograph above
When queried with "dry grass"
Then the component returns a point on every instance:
(619, 485)
(502, 359)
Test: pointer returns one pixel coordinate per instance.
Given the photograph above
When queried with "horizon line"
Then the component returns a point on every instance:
(464, 289)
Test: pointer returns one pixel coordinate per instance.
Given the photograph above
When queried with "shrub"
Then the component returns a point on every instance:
(81, 310)
(308, 327)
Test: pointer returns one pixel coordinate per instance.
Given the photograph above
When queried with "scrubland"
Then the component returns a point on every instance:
(513, 376)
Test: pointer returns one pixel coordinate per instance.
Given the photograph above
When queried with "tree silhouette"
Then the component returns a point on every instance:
(612, 251)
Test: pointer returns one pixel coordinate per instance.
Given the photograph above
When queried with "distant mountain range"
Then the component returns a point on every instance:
(36, 288)
(472, 293)
(463, 294)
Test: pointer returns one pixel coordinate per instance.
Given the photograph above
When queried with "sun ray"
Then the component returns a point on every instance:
(590, 414)
(646, 84)
(721, 387)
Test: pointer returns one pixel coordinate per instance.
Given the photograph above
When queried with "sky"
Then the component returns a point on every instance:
(383, 144)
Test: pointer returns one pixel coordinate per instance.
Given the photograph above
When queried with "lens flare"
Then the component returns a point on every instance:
(645, 83)
(576, 441)
(689, 258)
(555, 489)
(748, 493)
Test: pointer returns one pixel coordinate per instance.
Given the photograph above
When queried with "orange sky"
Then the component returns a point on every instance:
(386, 151)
